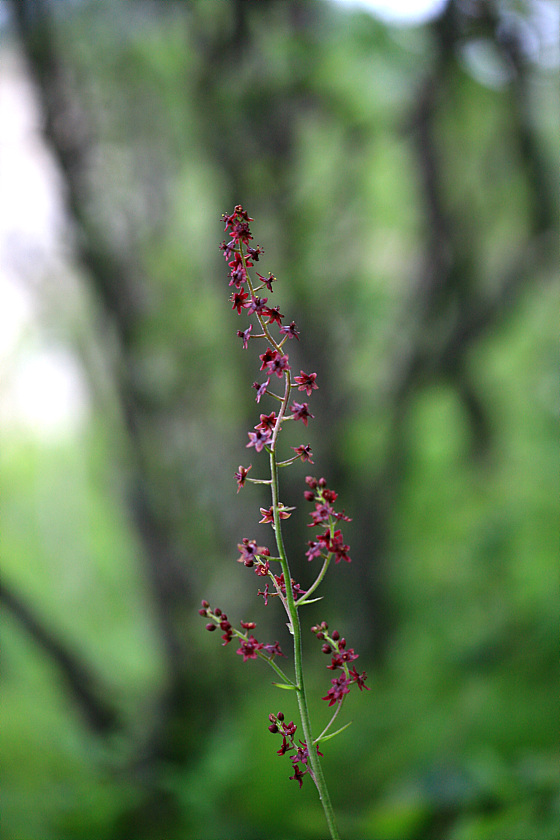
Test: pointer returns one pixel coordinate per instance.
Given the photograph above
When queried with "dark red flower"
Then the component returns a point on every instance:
(238, 272)
(267, 281)
(245, 335)
(336, 661)
(259, 439)
(359, 678)
(242, 232)
(340, 551)
(268, 356)
(291, 331)
(296, 588)
(340, 687)
(315, 549)
(262, 569)
(321, 514)
(241, 475)
(239, 214)
(298, 775)
(261, 389)
(274, 315)
(273, 650)
(238, 299)
(301, 411)
(254, 252)
(249, 648)
(268, 422)
(340, 657)
(306, 382)
(289, 729)
(249, 551)
(302, 754)
(257, 305)
(268, 513)
(304, 452)
(278, 364)
(228, 248)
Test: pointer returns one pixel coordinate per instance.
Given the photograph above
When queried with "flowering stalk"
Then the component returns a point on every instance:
(304, 754)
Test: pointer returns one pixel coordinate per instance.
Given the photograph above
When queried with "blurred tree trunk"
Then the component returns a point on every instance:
(120, 282)
(118, 279)
(90, 696)
(449, 309)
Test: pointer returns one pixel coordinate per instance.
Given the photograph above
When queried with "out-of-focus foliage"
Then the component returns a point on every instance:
(407, 209)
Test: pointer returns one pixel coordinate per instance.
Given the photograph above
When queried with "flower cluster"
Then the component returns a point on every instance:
(330, 543)
(301, 755)
(251, 295)
(335, 646)
(240, 256)
(249, 648)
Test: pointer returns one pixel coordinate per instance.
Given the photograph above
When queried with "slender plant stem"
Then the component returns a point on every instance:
(331, 721)
(289, 602)
(298, 654)
(278, 670)
(311, 590)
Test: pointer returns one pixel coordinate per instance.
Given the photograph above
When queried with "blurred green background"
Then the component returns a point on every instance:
(403, 181)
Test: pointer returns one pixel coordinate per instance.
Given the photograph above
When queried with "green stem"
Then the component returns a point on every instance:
(289, 603)
(314, 761)
(331, 721)
(312, 588)
(278, 670)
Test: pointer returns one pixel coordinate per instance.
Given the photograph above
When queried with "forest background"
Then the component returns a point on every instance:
(404, 184)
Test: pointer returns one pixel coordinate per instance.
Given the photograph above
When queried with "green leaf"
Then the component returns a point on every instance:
(289, 687)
